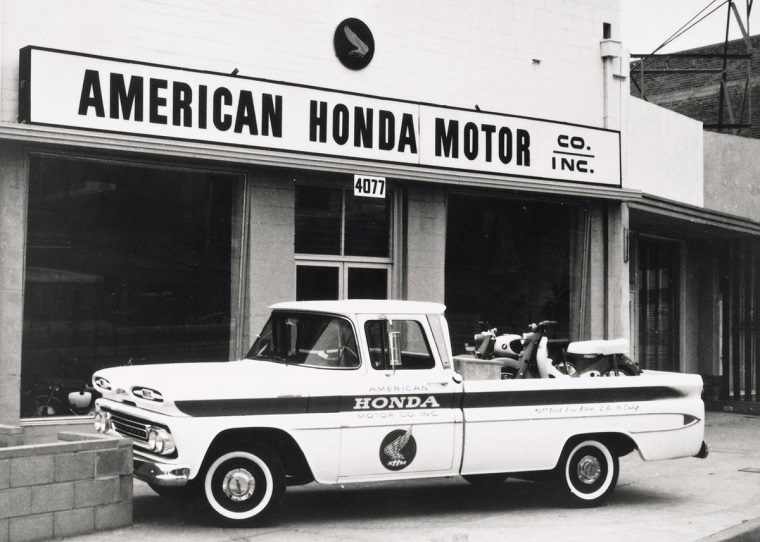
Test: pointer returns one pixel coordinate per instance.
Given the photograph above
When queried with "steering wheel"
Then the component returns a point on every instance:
(350, 360)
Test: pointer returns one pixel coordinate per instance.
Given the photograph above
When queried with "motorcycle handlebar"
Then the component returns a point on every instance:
(543, 325)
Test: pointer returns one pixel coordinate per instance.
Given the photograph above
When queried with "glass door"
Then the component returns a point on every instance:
(658, 298)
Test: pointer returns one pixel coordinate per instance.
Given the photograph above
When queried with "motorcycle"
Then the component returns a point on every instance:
(61, 399)
(527, 356)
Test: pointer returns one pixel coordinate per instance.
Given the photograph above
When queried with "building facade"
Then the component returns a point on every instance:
(168, 171)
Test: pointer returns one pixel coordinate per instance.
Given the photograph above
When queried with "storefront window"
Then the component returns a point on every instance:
(124, 264)
(342, 244)
(507, 265)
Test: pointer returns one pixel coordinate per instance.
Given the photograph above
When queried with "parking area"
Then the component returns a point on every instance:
(717, 498)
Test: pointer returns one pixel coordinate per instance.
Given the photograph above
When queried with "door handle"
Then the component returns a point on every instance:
(441, 383)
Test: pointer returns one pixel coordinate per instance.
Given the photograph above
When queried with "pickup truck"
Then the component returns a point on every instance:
(337, 392)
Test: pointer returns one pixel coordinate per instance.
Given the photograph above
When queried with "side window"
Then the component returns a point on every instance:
(415, 350)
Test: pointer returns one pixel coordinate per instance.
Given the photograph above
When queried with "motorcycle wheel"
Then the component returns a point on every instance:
(509, 368)
(45, 406)
(508, 373)
(567, 367)
(588, 472)
(622, 371)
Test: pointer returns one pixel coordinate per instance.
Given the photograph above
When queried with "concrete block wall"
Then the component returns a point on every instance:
(13, 194)
(78, 485)
(425, 251)
(536, 58)
(271, 245)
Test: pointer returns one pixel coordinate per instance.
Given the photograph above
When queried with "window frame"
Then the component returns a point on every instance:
(422, 326)
(344, 262)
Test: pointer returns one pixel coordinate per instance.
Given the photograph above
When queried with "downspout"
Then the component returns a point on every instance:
(612, 53)
(616, 272)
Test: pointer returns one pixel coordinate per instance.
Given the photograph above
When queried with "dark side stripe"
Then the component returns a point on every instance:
(336, 403)
(567, 397)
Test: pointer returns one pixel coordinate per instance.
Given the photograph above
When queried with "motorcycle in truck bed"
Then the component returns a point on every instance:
(336, 392)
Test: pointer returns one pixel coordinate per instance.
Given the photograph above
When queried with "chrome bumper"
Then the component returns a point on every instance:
(161, 474)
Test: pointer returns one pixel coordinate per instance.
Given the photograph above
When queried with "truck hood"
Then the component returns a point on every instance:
(172, 382)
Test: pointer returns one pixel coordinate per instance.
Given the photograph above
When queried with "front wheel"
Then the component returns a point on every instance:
(589, 472)
(244, 486)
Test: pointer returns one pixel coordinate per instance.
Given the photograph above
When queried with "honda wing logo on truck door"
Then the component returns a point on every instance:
(398, 449)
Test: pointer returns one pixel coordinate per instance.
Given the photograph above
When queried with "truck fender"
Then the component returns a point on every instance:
(620, 444)
(297, 469)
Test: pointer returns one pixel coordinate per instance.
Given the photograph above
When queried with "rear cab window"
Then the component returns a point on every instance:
(415, 350)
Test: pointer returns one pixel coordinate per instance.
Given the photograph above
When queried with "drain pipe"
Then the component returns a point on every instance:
(612, 56)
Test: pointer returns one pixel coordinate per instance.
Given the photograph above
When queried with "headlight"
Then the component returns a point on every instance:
(101, 382)
(148, 394)
(160, 441)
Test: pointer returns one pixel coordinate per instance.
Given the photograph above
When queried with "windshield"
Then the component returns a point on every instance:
(317, 340)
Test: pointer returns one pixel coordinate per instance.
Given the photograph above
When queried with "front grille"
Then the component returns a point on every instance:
(137, 429)
(131, 426)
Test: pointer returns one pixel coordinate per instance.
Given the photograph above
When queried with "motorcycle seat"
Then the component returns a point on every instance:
(599, 347)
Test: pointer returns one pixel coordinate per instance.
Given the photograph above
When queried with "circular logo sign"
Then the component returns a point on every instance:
(354, 44)
(397, 450)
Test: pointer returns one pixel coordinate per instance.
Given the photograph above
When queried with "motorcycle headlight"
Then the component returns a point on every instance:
(160, 441)
(102, 421)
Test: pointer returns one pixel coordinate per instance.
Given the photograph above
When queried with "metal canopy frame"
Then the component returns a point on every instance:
(736, 122)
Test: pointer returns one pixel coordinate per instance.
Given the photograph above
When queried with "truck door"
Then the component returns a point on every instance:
(401, 421)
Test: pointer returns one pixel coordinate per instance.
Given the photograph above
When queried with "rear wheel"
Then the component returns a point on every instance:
(589, 472)
(244, 486)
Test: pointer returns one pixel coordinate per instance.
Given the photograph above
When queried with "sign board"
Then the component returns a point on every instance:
(369, 187)
(73, 90)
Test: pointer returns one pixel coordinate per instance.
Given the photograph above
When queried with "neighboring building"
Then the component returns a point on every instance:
(168, 172)
(689, 83)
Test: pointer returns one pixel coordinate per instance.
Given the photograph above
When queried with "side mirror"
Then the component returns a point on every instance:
(394, 349)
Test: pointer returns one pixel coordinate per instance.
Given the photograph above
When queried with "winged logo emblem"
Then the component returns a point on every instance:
(393, 450)
(361, 48)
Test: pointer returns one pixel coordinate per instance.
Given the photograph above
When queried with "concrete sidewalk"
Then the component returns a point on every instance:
(713, 499)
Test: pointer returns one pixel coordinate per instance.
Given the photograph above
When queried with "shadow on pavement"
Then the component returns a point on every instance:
(447, 499)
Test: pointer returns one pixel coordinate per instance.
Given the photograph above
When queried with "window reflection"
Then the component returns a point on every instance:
(122, 263)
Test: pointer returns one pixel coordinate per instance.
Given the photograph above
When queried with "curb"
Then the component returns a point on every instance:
(746, 531)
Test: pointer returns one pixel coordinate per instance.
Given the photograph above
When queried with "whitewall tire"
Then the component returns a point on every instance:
(589, 472)
(244, 486)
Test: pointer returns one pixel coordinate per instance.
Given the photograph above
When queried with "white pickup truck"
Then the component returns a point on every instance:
(353, 391)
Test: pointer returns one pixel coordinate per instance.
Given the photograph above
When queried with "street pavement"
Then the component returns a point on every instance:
(691, 499)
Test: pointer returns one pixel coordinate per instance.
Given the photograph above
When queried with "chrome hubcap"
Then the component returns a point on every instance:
(238, 485)
(589, 469)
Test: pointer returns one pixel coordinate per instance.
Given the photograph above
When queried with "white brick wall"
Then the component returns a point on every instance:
(449, 52)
